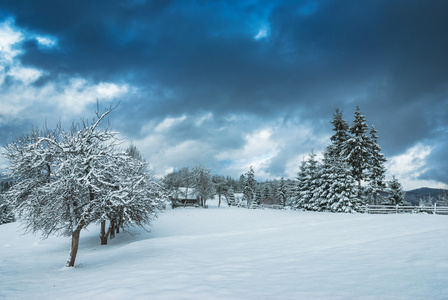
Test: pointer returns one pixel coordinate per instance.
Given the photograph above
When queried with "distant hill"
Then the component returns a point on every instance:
(414, 196)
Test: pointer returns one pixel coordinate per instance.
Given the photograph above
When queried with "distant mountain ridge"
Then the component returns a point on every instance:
(414, 196)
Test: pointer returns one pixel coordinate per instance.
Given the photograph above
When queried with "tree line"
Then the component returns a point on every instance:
(350, 174)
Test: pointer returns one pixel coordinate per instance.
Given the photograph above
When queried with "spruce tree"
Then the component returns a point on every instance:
(357, 148)
(308, 184)
(266, 192)
(376, 167)
(340, 136)
(249, 187)
(258, 195)
(396, 196)
(282, 192)
(230, 196)
(299, 187)
(339, 192)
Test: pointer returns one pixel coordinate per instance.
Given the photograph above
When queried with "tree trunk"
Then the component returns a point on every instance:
(103, 235)
(219, 203)
(74, 249)
(111, 230)
(118, 225)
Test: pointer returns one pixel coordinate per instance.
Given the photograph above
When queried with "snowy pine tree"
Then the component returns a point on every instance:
(376, 167)
(249, 188)
(340, 137)
(338, 191)
(357, 148)
(307, 183)
(282, 192)
(396, 196)
(230, 196)
(259, 195)
(266, 192)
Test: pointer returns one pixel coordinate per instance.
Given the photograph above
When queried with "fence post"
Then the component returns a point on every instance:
(435, 208)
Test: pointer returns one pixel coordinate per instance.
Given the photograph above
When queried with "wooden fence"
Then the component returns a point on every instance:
(271, 206)
(396, 209)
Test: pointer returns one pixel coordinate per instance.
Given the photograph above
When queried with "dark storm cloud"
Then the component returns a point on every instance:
(197, 57)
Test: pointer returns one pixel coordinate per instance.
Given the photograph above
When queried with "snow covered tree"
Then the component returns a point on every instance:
(282, 192)
(187, 179)
(249, 187)
(221, 187)
(337, 191)
(442, 198)
(357, 148)
(340, 137)
(396, 196)
(230, 196)
(6, 214)
(307, 183)
(132, 195)
(291, 186)
(266, 192)
(376, 167)
(64, 181)
(299, 187)
(259, 194)
(204, 185)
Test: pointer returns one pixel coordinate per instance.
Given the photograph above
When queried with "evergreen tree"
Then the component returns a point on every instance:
(338, 191)
(308, 183)
(249, 187)
(259, 195)
(266, 192)
(299, 187)
(396, 196)
(230, 196)
(341, 127)
(357, 148)
(282, 192)
(291, 191)
(376, 166)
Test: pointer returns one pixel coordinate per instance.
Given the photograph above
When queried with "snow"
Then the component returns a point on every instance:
(237, 253)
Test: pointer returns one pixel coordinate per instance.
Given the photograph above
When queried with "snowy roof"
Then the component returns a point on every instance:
(182, 193)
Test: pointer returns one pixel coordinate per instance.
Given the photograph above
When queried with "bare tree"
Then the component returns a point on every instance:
(203, 185)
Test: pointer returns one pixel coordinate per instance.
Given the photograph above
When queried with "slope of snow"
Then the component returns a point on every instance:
(236, 253)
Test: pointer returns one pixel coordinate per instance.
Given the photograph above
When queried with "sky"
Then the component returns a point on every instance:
(233, 84)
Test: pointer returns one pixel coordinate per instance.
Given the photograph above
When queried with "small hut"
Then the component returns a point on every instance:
(185, 197)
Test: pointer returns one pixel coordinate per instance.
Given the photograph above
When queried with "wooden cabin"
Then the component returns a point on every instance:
(185, 197)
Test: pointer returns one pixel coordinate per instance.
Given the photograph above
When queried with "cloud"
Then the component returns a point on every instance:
(62, 98)
(409, 167)
(216, 75)
(48, 42)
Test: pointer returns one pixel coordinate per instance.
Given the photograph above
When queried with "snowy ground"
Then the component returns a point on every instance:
(236, 253)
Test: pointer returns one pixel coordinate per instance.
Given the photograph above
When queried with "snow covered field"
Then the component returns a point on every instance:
(236, 253)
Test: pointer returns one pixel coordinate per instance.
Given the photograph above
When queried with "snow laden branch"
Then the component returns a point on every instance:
(66, 180)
